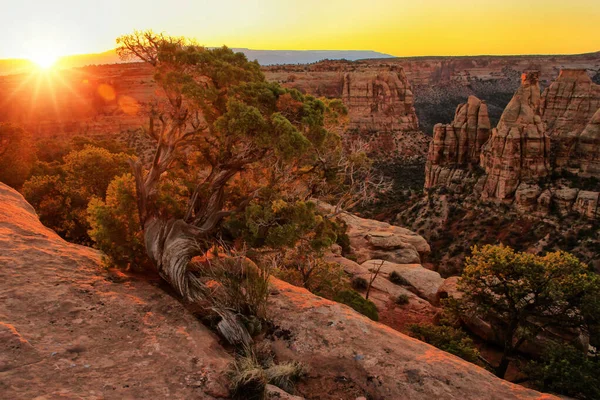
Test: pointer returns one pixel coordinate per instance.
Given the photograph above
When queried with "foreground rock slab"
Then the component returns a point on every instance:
(72, 330)
(373, 360)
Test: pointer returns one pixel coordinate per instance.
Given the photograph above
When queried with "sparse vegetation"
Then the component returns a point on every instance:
(358, 303)
(249, 375)
(447, 338)
(398, 279)
(359, 283)
(402, 299)
(566, 370)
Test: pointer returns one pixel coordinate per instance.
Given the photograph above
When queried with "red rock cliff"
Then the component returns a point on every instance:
(518, 149)
(456, 147)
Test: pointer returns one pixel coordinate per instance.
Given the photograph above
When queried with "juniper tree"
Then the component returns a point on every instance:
(265, 151)
(525, 295)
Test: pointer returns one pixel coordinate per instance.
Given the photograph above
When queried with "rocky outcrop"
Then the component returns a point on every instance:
(375, 240)
(379, 101)
(586, 157)
(456, 147)
(422, 281)
(70, 329)
(566, 107)
(371, 360)
(518, 149)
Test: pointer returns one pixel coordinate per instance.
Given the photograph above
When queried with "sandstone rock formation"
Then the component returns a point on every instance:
(372, 360)
(586, 157)
(566, 107)
(456, 147)
(70, 329)
(375, 240)
(518, 149)
(425, 283)
(379, 101)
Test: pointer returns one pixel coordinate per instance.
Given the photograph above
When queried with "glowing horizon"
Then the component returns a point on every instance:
(395, 27)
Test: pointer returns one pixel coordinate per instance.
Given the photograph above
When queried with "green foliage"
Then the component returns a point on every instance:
(402, 299)
(526, 293)
(359, 283)
(61, 196)
(89, 171)
(280, 224)
(17, 155)
(566, 370)
(447, 338)
(398, 279)
(358, 303)
(115, 226)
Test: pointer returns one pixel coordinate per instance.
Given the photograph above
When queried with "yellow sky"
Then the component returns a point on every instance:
(397, 27)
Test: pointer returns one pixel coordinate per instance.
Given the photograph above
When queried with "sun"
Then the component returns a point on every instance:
(44, 59)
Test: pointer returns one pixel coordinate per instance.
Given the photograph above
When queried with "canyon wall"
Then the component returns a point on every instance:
(379, 100)
(542, 156)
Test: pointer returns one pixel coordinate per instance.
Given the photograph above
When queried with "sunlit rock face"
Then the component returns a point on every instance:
(567, 107)
(456, 146)
(381, 111)
(518, 149)
(378, 97)
(586, 157)
(379, 101)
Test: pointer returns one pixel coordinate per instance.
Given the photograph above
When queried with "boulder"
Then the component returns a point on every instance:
(422, 280)
(274, 393)
(372, 239)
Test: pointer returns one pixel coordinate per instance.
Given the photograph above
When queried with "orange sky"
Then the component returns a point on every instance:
(397, 27)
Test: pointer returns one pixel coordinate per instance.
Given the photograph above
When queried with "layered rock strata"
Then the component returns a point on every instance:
(518, 149)
(566, 107)
(455, 148)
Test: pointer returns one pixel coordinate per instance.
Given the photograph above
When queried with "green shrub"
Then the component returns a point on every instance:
(566, 370)
(358, 303)
(398, 279)
(359, 283)
(115, 225)
(447, 338)
(402, 299)
(17, 155)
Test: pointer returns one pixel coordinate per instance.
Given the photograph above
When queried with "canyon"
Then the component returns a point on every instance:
(518, 164)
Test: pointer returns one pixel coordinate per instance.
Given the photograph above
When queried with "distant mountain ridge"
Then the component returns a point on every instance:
(264, 57)
(273, 57)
